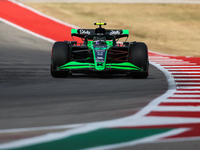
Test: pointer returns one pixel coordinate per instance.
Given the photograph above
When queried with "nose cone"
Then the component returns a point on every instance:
(100, 53)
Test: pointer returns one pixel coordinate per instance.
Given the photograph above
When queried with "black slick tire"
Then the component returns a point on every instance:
(139, 58)
(60, 56)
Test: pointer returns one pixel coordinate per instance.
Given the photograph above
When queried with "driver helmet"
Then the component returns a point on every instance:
(99, 40)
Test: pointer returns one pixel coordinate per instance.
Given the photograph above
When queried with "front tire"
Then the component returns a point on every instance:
(139, 58)
(60, 56)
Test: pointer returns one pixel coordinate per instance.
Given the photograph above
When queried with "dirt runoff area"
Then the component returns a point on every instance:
(166, 28)
(113, 1)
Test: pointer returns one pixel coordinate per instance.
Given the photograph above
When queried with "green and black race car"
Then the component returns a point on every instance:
(99, 54)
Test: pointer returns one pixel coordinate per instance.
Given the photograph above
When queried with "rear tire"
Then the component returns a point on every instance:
(139, 58)
(60, 56)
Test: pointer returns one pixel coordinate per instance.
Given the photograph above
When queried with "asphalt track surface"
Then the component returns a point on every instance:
(30, 97)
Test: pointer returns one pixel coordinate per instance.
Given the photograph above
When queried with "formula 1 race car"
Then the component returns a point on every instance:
(99, 54)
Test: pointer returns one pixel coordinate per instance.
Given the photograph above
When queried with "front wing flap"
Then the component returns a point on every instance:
(126, 66)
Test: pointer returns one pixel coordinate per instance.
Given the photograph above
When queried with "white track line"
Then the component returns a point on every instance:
(198, 76)
(40, 128)
(166, 60)
(175, 66)
(187, 87)
(178, 62)
(27, 31)
(187, 83)
(178, 108)
(185, 96)
(179, 80)
(182, 72)
(184, 69)
(41, 14)
(187, 91)
(157, 56)
(181, 100)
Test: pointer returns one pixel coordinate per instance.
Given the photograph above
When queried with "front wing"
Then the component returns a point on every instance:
(124, 66)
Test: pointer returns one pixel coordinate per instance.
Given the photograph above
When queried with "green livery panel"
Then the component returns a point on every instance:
(79, 65)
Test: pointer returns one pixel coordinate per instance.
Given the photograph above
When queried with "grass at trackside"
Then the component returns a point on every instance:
(167, 28)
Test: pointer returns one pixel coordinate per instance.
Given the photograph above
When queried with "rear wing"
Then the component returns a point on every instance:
(99, 31)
